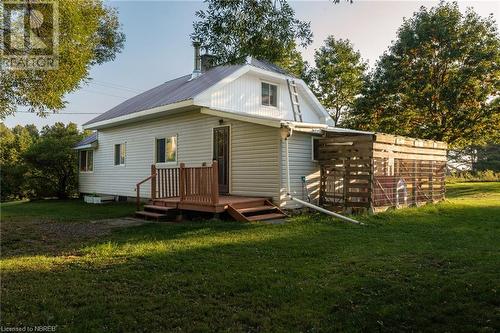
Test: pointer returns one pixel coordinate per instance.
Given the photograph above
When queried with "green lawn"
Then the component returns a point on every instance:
(433, 268)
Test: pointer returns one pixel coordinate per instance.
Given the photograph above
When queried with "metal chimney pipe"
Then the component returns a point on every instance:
(197, 60)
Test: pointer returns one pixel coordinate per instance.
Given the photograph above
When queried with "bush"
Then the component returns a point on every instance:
(467, 176)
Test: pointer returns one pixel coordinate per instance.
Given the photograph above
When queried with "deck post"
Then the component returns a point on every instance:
(153, 181)
(138, 198)
(182, 182)
(215, 182)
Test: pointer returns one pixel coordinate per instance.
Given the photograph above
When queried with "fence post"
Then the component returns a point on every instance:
(431, 180)
(153, 181)
(182, 180)
(215, 182)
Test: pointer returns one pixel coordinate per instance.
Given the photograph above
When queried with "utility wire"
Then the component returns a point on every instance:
(57, 113)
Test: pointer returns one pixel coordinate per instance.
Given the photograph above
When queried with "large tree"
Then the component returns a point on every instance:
(52, 162)
(265, 29)
(89, 34)
(338, 76)
(439, 79)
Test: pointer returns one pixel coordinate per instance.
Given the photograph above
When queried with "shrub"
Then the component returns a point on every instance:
(467, 176)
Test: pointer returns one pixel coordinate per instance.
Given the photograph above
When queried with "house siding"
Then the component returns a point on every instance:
(301, 164)
(254, 154)
(244, 95)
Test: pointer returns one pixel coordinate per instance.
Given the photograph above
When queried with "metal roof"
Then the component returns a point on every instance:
(179, 89)
(87, 141)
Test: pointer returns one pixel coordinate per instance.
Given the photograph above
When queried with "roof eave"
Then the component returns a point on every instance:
(140, 115)
(92, 145)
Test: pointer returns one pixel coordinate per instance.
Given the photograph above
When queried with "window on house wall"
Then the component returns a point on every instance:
(120, 152)
(166, 149)
(86, 160)
(315, 149)
(269, 94)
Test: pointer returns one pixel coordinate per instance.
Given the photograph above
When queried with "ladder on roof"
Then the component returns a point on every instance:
(294, 98)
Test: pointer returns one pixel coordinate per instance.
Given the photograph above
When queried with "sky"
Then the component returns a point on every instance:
(158, 46)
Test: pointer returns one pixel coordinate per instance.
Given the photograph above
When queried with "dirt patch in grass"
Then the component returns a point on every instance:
(47, 237)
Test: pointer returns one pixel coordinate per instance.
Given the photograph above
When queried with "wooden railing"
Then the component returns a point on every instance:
(199, 185)
(195, 185)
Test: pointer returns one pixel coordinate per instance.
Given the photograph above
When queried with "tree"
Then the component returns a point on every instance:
(439, 80)
(89, 34)
(52, 161)
(13, 144)
(338, 76)
(265, 29)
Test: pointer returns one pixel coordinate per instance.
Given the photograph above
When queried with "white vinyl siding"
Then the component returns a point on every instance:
(301, 164)
(254, 154)
(244, 95)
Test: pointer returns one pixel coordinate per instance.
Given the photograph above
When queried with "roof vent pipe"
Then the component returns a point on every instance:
(197, 60)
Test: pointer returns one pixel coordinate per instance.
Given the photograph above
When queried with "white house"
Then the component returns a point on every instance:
(238, 115)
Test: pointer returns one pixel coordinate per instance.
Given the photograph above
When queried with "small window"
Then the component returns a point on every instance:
(86, 161)
(120, 153)
(166, 149)
(315, 149)
(269, 94)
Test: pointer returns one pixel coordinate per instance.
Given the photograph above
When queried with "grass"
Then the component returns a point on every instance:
(433, 268)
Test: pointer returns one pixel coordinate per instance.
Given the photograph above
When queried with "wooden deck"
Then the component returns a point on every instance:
(197, 189)
(221, 206)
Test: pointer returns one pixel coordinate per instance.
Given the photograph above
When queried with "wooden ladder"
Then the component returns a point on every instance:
(294, 99)
(258, 210)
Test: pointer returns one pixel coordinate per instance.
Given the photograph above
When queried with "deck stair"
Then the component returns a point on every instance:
(257, 210)
(154, 212)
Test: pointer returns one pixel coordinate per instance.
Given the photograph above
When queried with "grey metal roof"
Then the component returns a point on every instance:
(178, 90)
(262, 64)
(88, 140)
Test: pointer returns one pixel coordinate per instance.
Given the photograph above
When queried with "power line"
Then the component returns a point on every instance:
(117, 88)
(57, 113)
(114, 85)
(102, 93)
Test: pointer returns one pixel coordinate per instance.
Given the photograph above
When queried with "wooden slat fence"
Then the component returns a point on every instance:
(368, 171)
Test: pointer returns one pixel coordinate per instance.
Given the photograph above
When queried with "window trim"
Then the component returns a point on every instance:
(313, 138)
(155, 154)
(124, 157)
(277, 94)
(86, 159)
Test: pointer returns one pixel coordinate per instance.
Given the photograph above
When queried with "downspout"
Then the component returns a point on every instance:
(285, 136)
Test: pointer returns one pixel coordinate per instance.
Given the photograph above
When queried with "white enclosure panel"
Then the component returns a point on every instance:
(244, 95)
(249, 143)
(301, 164)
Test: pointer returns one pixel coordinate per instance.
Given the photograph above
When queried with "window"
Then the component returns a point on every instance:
(315, 149)
(86, 161)
(120, 153)
(166, 149)
(269, 94)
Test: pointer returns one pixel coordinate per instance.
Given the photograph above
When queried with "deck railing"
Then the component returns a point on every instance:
(196, 185)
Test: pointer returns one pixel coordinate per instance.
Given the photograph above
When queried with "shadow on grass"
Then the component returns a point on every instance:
(464, 190)
(316, 276)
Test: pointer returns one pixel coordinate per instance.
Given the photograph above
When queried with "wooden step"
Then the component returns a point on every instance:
(255, 209)
(249, 204)
(270, 216)
(158, 208)
(146, 214)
